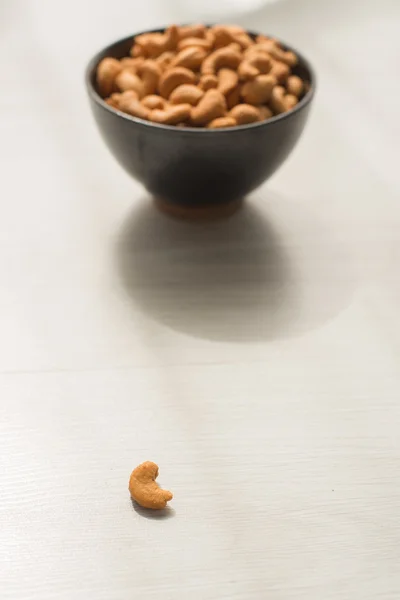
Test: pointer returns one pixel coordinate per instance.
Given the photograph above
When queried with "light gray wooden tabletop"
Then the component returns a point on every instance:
(256, 360)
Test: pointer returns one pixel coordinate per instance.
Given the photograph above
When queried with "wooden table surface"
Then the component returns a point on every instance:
(257, 360)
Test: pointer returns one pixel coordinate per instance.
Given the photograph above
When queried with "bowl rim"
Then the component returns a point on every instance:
(95, 96)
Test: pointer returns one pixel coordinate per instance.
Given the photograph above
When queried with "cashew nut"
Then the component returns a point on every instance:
(256, 64)
(132, 106)
(233, 97)
(280, 101)
(222, 122)
(211, 106)
(128, 80)
(265, 112)
(172, 115)
(191, 58)
(174, 77)
(132, 63)
(276, 52)
(245, 113)
(207, 82)
(280, 70)
(224, 57)
(227, 81)
(186, 94)
(258, 91)
(196, 42)
(144, 489)
(153, 101)
(192, 31)
(107, 71)
(150, 73)
(154, 44)
(164, 60)
(294, 85)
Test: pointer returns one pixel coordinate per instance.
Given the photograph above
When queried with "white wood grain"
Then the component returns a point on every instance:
(256, 360)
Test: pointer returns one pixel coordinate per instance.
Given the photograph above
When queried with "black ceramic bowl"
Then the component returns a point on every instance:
(190, 168)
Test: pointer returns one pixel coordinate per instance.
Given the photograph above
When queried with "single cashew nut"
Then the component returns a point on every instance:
(144, 489)
(227, 81)
(280, 101)
(153, 101)
(256, 64)
(208, 82)
(245, 113)
(174, 77)
(224, 57)
(164, 60)
(258, 91)
(115, 99)
(154, 44)
(191, 31)
(150, 72)
(294, 85)
(132, 63)
(191, 58)
(133, 107)
(211, 106)
(127, 80)
(222, 122)
(172, 115)
(186, 94)
(234, 97)
(276, 52)
(190, 42)
(107, 71)
(265, 112)
(280, 70)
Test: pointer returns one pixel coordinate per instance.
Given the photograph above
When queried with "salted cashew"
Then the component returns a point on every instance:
(280, 70)
(144, 489)
(281, 102)
(174, 77)
(153, 101)
(256, 64)
(227, 81)
(226, 57)
(132, 106)
(164, 60)
(222, 122)
(294, 85)
(211, 106)
(207, 82)
(245, 113)
(233, 97)
(258, 91)
(154, 44)
(150, 73)
(191, 58)
(107, 71)
(265, 112)
(196, 42)
(191, 31)
(186, 94)
(128, 80)
(276, 52)
(172, 115)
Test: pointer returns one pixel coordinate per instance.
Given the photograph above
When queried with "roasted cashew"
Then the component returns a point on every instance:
(257, 63)
(186, 94)
(224, 57)
(227, 81)
(107, 72)
(128, 80)
(172, 115)
(194, 42)
(190, 58)
(222, 122)
(191, 31)
(133, 107)
(211, 106)
(174, 77)
(258, 91)
(153, 101)
(208, 82)
(154, 44)
(281, 102)
(294, 85)
(150, 73)
(245, 113)
(144, 489)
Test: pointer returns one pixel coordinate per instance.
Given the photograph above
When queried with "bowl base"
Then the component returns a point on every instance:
(199, 212)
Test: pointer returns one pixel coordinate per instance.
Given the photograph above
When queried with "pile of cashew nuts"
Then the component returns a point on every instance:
(195, 76)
